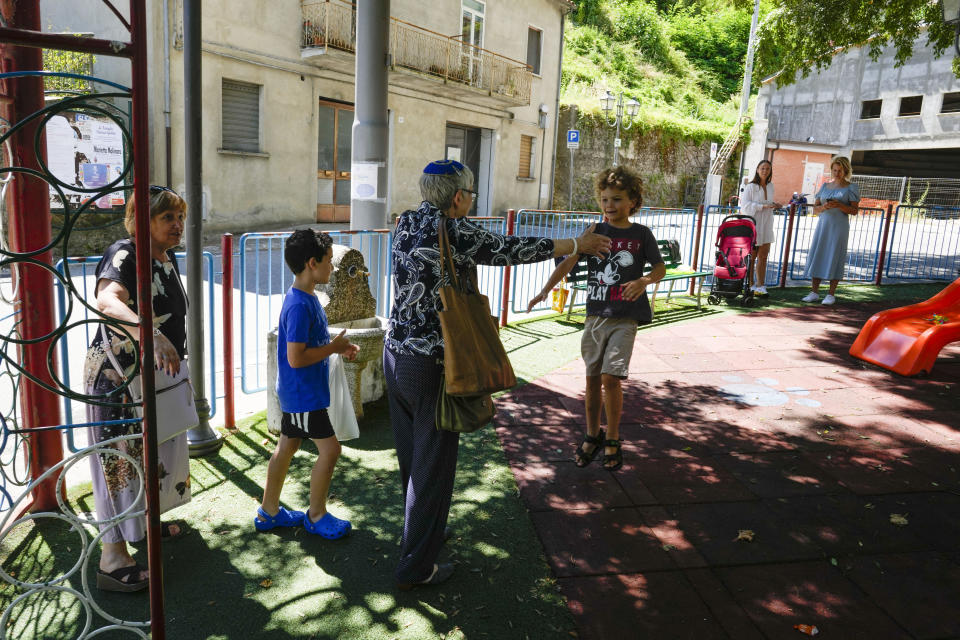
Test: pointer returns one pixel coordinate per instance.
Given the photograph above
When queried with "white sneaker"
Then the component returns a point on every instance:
(760, 291)
(828, 299)
(813, 296)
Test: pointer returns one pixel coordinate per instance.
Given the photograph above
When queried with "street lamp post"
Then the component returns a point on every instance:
(610, 102)
(951, 17)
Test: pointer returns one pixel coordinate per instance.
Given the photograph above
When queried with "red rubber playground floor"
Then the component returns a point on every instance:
(769, 480)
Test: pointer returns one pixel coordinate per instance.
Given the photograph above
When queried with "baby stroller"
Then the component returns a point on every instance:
(736, 238)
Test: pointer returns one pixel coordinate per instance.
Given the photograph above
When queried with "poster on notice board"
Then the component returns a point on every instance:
(85, 152)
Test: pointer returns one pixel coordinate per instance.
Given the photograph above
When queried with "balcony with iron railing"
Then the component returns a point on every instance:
(420, 58)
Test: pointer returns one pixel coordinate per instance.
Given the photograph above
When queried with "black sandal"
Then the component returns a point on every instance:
(122, 579)
(616, 458)
(583, 458)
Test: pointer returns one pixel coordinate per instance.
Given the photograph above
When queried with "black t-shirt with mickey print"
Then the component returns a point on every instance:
(631, 250)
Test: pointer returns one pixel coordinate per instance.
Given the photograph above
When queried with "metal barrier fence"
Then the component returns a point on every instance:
(83, 276)
(863, 244)
(918, 192)
(924, 243)
(490, 279)
(265, 277)
(665, 223)
(528, 279)
(671, 224)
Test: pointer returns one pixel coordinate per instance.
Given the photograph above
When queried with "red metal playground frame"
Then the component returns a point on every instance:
(21, 42)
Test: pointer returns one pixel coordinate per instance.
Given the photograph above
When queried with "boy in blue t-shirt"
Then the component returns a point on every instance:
(616, 304)
(303, 346)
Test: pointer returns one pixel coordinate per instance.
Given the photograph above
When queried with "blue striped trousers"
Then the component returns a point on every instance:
(427, 457)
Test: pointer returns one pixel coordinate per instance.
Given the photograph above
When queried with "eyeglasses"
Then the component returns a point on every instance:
(471, 192)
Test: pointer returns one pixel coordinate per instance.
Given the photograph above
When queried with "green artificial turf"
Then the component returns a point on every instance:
(226, 582)
(223, 580)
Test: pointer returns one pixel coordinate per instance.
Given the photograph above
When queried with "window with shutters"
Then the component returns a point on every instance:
(534, 40)
(911, 105)
(951, 102)
(870, 109)
(528, 146)
(240, 127)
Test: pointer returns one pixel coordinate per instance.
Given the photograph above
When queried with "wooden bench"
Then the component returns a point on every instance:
(669, 251)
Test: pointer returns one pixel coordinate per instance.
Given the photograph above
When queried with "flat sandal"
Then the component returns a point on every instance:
(616, 458)
(582, 457)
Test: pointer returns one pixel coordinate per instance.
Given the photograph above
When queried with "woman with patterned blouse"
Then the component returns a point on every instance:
(116, 483)
(413, 354)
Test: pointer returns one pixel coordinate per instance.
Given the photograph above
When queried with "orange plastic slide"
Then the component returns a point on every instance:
(908, 339)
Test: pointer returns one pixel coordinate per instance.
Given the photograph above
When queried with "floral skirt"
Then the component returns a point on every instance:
(116, 483)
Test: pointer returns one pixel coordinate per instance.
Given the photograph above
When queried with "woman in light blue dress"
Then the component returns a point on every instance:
(836, 202)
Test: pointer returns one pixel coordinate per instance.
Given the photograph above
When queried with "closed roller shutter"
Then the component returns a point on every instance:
(526, 157)
(241, 116)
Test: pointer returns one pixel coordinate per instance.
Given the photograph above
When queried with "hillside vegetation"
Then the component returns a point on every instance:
(681, 59)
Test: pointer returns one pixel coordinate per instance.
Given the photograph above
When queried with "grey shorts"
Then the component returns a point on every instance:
(607, 344)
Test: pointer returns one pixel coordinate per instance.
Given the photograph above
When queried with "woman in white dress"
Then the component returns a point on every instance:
(757, 201)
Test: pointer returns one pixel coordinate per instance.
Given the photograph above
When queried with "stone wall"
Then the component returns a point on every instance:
(673, 170)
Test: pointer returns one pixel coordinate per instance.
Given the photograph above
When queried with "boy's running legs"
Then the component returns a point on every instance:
(328, 452)
(277, 473)
(613, 407)
(593, 402)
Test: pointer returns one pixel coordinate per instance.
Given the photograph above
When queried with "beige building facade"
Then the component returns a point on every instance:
(471, 80)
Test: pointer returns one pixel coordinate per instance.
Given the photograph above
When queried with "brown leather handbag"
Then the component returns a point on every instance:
(475, 361)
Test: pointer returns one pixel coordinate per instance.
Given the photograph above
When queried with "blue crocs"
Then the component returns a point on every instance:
(284, 518)
(328, 526)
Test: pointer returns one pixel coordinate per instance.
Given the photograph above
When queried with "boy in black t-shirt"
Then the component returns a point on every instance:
(616, 303)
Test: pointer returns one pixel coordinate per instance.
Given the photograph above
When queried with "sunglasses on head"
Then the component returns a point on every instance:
(155, 188)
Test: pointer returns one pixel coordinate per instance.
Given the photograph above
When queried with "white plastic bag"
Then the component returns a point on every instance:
(341, 413)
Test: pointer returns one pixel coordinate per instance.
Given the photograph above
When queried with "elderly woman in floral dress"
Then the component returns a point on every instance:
(115, 481)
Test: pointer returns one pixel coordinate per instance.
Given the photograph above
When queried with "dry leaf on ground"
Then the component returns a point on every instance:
(898, 519)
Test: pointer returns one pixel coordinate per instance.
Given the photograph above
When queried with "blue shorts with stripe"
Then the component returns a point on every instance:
(308, 424)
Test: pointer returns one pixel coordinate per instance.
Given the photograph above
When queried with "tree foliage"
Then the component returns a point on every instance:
(67, 62)
(800, 36)
(714, 38)
(639, 24)
(637, 58)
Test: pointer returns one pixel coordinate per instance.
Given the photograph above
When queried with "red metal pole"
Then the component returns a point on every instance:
(30, 230)
(786, 246)
(18, 33)
(883, 243)
(226, 260)
(696, 245)
(141, 181)
(505, 300)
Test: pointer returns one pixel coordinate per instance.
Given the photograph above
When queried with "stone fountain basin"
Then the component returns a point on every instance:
(366, 333)
(365, 372)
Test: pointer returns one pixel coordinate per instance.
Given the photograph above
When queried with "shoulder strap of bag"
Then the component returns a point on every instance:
(176, 273)
(108, 348)
(446, 253)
